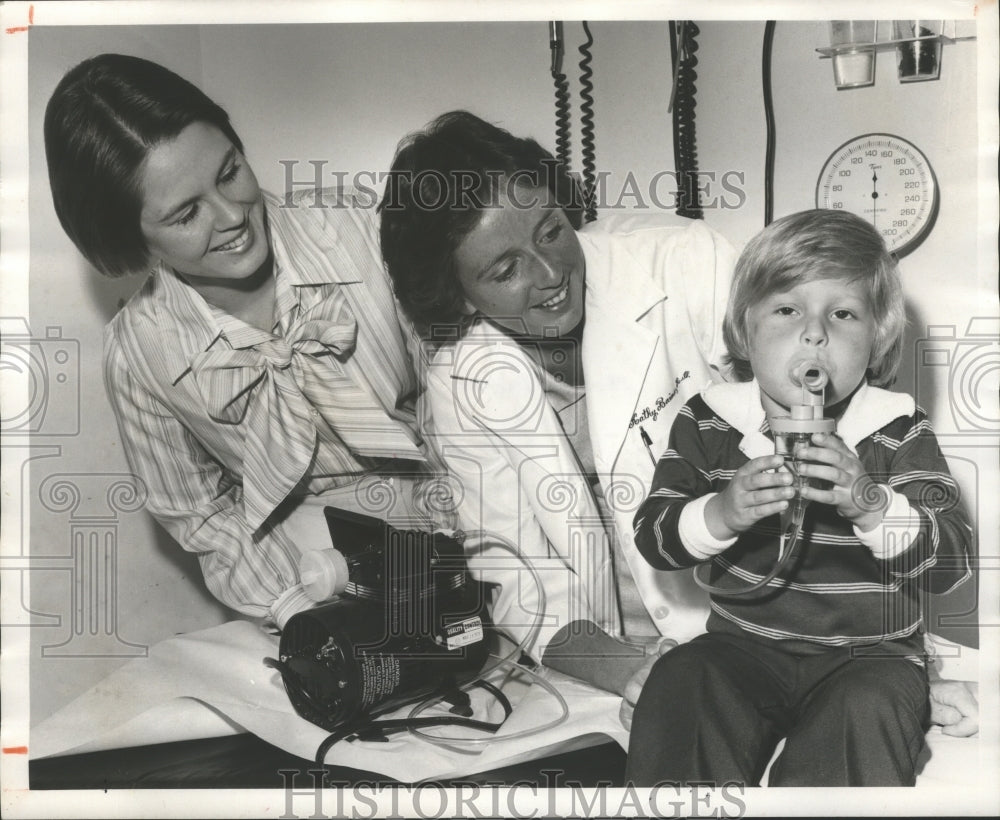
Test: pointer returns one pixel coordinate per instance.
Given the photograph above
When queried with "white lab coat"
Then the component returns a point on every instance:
(655, 300)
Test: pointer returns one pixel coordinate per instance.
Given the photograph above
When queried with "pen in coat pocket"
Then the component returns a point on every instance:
(648, 442)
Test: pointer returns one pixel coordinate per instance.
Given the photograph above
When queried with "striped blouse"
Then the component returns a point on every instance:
(843, 587)
(217, 431)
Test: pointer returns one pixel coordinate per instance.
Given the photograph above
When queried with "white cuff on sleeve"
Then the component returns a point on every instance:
(899, 528)
(694, 534)
(291, 601)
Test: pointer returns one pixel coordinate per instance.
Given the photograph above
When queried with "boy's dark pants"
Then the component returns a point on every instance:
(714, 709)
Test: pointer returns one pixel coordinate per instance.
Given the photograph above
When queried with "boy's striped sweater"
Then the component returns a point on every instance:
(835, 592)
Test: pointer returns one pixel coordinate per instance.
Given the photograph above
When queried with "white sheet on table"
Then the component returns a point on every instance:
(213, 682)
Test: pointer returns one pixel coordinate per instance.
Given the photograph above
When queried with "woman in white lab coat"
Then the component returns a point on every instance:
(555, 363)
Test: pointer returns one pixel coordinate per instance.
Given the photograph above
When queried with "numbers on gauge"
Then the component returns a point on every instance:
(885, 180)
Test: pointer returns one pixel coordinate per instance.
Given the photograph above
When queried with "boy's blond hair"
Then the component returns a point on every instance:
(818, 244)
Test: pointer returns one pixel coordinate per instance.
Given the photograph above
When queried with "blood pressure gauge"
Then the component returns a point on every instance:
(887, 181)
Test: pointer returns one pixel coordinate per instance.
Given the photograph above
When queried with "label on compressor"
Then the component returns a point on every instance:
(380, 677)
(463, 633)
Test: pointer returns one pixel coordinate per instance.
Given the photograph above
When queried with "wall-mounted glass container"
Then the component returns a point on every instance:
(918, 45)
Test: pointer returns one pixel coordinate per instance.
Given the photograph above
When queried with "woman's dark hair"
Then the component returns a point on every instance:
(442, 179)
(100, 124)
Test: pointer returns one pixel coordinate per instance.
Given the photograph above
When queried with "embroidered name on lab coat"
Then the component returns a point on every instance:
(661, 402)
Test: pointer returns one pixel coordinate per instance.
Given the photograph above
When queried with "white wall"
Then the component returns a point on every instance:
(346, 94)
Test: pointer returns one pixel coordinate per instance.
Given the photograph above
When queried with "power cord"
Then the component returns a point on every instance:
(380, 730)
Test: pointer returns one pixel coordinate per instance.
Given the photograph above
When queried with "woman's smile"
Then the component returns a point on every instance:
(238, 244)
(556, 301)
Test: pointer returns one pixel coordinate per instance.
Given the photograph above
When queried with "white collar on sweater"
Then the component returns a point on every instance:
(870, 409)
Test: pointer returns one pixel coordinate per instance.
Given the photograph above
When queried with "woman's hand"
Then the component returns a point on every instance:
(853, 493)
(583, 650)
(755, 492)
(955, 707)
(655, 647)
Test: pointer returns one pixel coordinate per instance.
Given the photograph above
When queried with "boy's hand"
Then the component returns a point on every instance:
(753, 494)
(853, 493)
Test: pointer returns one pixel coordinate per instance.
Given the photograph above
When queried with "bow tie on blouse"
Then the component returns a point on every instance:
(278, 388)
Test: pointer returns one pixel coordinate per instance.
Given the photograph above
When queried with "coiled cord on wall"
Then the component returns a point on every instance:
(587, 150)
(562, 93)
(769, 119)
(683, 46)
(562, 118)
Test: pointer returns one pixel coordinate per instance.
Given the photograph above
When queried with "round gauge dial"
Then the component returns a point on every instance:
(887, 181)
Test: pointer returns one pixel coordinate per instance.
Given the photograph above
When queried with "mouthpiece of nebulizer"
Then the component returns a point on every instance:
(323, 574)
(806, 416)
